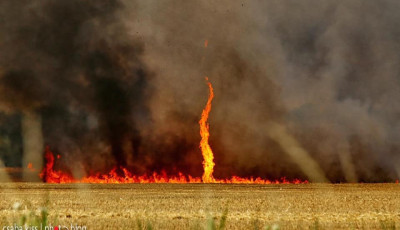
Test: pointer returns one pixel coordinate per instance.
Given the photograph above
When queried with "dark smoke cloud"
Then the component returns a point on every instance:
(73, 62)
(122, 82)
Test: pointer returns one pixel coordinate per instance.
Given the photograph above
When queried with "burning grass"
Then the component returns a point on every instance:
(50, 175)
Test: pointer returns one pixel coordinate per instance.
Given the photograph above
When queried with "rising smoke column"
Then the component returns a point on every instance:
(72, 65)
(326, 71)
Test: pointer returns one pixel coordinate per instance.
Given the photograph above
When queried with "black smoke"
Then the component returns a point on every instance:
(74, 63)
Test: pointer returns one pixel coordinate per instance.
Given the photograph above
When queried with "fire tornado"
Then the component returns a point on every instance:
(208, 156)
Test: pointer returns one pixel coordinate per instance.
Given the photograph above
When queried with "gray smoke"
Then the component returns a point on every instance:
(122, 82)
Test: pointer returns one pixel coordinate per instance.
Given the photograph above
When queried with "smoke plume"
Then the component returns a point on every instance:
(302, 89)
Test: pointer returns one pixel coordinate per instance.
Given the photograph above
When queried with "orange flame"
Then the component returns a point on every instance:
(208, 156)
(50, 175)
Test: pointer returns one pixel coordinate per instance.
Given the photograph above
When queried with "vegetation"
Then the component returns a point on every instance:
(202, 207)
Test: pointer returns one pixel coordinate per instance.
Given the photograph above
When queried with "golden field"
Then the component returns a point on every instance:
(197, 206)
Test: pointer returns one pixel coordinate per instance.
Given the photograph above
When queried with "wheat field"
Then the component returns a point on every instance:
(204, 206)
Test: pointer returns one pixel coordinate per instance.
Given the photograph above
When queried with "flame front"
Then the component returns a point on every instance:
(208, 156)
(50, 175)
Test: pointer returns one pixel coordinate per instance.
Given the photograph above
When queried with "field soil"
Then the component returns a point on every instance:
(197, 206)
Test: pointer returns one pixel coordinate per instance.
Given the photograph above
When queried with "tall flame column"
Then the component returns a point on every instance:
(208, 156)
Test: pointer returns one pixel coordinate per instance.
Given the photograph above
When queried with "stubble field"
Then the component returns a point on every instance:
(200, 206)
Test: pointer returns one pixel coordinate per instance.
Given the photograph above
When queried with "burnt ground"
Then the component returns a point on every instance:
(194, 206)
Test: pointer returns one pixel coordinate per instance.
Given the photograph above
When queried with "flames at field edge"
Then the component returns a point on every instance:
(50, 175)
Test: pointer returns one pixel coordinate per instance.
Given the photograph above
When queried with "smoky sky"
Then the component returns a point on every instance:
(120, 82)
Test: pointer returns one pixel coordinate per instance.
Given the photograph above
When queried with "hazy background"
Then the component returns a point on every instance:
(302, 89)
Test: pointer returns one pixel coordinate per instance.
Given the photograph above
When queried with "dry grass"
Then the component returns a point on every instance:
(198, 206)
